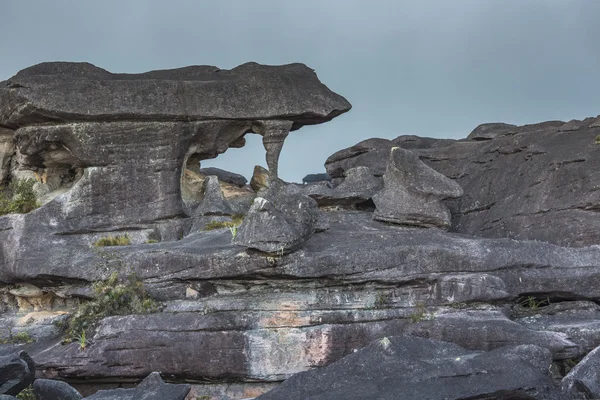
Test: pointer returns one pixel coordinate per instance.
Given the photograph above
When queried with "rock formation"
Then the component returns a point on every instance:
(301, 283)
(413, 192)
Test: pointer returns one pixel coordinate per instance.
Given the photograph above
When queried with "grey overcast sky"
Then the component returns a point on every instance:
(427, 67)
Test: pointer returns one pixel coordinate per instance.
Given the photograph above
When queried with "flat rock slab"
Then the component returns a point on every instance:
(60, 91)
(414, 368)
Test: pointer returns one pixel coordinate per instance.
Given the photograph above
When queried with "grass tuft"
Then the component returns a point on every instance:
(119, 240)
(235, 222)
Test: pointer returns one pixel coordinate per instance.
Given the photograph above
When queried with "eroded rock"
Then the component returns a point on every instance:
(413, 192)
(17, 371)
(48, 389)
(225, 176)
(415, 368)
(583, 381)
(151, 388)
(279, 222)
(59, 92)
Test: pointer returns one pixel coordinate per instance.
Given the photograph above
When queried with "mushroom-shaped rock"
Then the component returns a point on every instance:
(413, 192)
(64, 91)
(280, 221)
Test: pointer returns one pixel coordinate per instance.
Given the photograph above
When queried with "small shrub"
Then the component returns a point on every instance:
(151, 241)
(119, 240)
(17, 338)
(19, 197)
(27, 394)
(113, 297)
(598, 139)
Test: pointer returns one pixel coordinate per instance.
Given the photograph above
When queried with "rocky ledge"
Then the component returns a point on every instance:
(468, 268)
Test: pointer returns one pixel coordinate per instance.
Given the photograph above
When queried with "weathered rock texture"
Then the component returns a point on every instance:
(17, 371)
(533, 182)
(298, 287)
(414, 368)
(413, 192)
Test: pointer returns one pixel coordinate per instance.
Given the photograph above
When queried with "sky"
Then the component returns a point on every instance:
(434, 68)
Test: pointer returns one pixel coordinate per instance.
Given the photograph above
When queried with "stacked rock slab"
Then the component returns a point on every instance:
(413, 192)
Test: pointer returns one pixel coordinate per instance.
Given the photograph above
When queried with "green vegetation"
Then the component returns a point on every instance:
(151, 241)
(119, 240)
(17, 338)
(233, 230)
(27, 394)
(18, 197)
(598, 139)
(532, 302)
(113, 297)
(235, 222)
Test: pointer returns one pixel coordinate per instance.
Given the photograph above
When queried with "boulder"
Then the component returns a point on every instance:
(280, 222)
(367, 153)
(17, 371)
(491, 130)
(359, 186)
(61, 91)
(213, 202)
(416, 368)
(413, 192)
(583, 381)
(151, 388)
(48, 389)
(260, 179)
(225, 176)
(313, 178)
(373, 153)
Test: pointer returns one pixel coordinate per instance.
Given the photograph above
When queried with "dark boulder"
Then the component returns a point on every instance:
(17, 371)
(213, 202)
(151, 388)
(583, 381)
(415, 368)
(48, 389)
(278, 222)
(260, 178)
(61, 91)
(413, 192)
(225, 176)
(314, 178)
